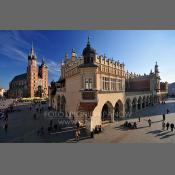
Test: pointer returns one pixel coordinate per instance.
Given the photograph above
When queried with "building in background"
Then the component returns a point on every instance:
(144, 90)
(95, 89)
(33, 83)
(2, 91)
(171, 90)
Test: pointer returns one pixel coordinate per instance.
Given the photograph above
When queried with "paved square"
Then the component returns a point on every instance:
(23, 128)
(144, 134)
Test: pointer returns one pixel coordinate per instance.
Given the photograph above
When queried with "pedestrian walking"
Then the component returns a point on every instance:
(163, 125)
(139, 119)
(78, 124)
(6, 116)
(6, 127)
(167, 111)
(172, 127)
(76, 135)
(163, 117)
(149, 122)
(167, 126)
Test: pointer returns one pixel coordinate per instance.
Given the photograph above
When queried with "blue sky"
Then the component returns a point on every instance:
(138, 49)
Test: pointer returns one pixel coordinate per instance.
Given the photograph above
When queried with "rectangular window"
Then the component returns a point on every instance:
(106, 83)
(88, 83)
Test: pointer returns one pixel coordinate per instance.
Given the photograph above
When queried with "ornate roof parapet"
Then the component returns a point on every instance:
(66, 57)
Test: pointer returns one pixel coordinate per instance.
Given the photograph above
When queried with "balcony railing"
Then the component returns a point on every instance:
(88, 95)
(137, 93)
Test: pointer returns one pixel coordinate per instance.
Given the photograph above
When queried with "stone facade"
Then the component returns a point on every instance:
(34, 83)
(171, 90)
(2, 90)
(94, 89)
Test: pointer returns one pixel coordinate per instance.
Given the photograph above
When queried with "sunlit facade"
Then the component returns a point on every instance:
(95, 89)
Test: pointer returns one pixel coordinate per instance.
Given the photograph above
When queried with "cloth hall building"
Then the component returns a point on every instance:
(95, 89)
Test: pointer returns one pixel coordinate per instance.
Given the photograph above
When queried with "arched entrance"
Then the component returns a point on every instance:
(107, 112)
(128, 107)
(63, 105)
(147, 101)
(118, 109)
(134, 105)
(151, 100)
(139, 103)
(143, 102)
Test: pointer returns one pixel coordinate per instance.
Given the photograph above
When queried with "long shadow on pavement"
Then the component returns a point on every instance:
(162, 134)
(166, 136)
(154, 132)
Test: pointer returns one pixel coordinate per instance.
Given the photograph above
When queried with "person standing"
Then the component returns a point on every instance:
(172, 127)
(163, 125)
(78, 124)
(139, 119)
(6, 127)
(167, 126)
(6, 116)
(167, 111)
(77, 135)
(163, 117)
(149, 122)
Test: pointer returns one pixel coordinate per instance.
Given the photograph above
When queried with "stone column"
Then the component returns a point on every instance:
(112, 115)
(130, 110)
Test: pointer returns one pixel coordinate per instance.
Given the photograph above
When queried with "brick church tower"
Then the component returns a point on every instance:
(32, 74)
(43, 76)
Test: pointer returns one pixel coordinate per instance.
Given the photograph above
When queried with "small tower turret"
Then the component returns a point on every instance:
(73, 55)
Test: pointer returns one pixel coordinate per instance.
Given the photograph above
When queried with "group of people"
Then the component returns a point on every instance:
(98, 129)
(38, 108)
(130, 125)
(167, 125)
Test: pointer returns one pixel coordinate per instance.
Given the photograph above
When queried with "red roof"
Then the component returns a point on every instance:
(87, 106)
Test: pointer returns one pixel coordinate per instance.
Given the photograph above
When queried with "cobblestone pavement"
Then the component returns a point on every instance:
(23, 128)
(5, 103)
(112, 133)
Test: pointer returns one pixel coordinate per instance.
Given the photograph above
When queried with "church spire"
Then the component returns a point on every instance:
(32, 52)
(88, 43)
(43, 61)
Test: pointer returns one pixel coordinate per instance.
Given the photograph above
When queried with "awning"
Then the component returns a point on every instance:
(87, 106)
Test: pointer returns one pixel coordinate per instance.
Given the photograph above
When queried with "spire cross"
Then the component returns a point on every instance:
(88, 43)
